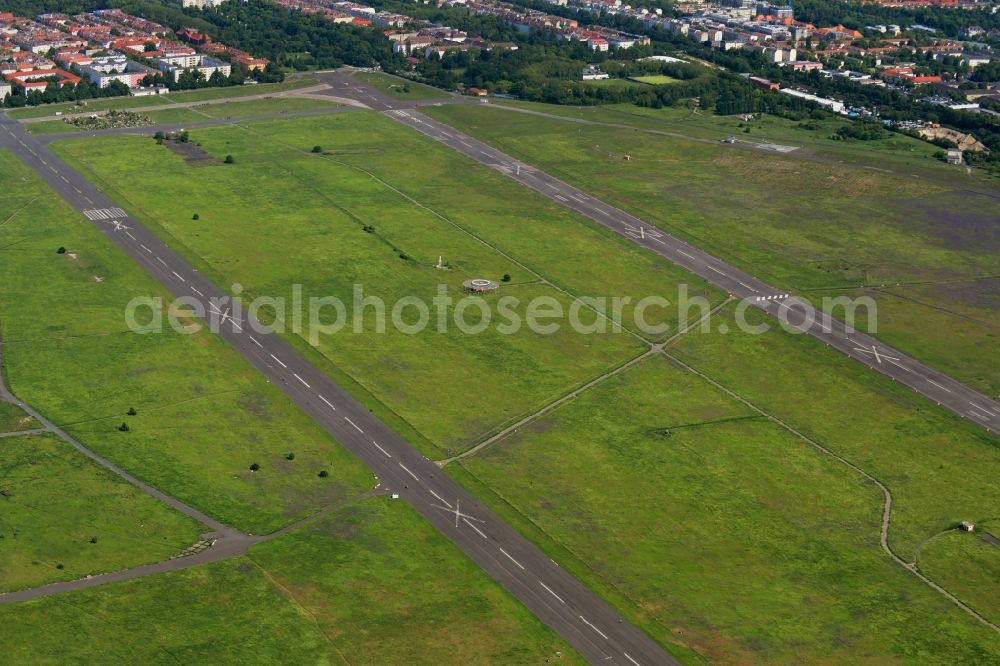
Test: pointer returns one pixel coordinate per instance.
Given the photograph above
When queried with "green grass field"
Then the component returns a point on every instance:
(612, 83)
(180, 97)
(202, 112)
(378, 581)
(799, 224)
(262, 106)
(203, 414)
(720, 528)
(399, 88)
(371, 584)
(65, 517)
(939, 467)
(307, 216)
(14, 419)
(654, 80)
(969, 565)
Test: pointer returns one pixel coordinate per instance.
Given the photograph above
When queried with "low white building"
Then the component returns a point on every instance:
(594, 74)
(201, 4)
(175, 66)
(830, 104)
(5, 90)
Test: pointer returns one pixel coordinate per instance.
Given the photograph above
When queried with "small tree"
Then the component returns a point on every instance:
(506, 277)
(93, 539)
(323, 474)
(123, 427)
(131, 411)
(254, 467)
(159, 136)
(290, 456)
(317, 149)
(196, 216)
(229, 159)
(61, 250)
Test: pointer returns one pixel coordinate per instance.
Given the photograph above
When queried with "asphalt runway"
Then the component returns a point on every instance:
(585, 621)
(797, 313)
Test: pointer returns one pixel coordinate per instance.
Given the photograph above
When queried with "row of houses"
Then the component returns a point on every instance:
(597, 38)
(409, 36)
(107, 46)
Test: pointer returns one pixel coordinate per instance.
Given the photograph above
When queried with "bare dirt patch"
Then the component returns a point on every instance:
(192, 153)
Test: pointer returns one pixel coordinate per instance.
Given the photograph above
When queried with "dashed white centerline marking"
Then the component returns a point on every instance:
(301, 380)
(145, 248)
(592, 626)
(713, 268)
(440, 499)
(387, 454)
(177, 275)
(195, 290)
(631, 659)
(129, 234)
(407, 470)
(561, 198)
(328, 403)
(478, 531)
(279, 361)
(549, 590)
(982, 409)
(353, 424)
(943, 388)
(511, 558)
(161, 261)
(689, 256)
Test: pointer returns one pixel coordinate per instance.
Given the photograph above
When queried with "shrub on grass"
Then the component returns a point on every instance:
(123, 427)
(254, 467)
(229, 159)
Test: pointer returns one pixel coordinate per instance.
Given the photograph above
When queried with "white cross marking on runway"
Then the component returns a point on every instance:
(458, 512)
(225, 315)
(119, 225)
(873, 351)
